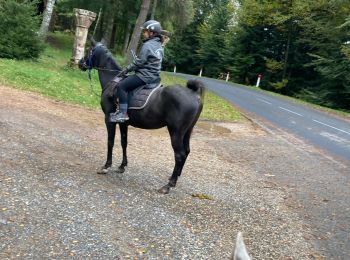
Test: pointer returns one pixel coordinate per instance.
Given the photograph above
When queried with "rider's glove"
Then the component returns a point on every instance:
(130, 67)
(123, 73)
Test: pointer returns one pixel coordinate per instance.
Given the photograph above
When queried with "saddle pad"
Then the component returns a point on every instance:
(140, 98)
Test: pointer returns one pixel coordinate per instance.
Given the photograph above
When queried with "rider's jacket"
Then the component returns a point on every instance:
(148, 64)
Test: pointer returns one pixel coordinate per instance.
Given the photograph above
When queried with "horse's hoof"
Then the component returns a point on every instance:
(164, 190)
(120, 170)
(103, 170)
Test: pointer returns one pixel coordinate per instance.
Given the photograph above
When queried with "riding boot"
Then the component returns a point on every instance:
(120, 116)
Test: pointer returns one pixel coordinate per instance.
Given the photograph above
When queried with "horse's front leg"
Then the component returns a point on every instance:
(110, 143)
(123, 127)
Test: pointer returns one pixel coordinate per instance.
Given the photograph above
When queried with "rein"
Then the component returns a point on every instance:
(90, 81)
(90, 67)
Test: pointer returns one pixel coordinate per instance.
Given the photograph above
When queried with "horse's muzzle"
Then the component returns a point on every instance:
(82, 64)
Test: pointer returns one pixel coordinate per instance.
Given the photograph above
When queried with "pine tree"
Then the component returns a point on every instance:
(183, 47)
(19, 26)
(213, 34)
(327, 31)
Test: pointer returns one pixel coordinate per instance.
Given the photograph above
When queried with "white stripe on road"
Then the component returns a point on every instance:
(290, 111)
(331, 126)
(264, 101)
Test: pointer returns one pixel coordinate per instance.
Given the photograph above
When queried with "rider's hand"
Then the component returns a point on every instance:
(123, 73)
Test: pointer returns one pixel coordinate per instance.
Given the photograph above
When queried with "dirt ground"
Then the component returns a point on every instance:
(238, 177)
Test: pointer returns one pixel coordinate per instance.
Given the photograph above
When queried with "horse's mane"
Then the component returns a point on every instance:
(114, 62)
(108, 55)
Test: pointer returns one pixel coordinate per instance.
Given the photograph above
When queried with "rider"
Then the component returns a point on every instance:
(147, 68)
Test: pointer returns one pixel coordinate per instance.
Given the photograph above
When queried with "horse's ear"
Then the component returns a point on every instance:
(103, 41)
(240, 252)
(93, 42)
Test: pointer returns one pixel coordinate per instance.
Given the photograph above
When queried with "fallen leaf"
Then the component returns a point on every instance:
(201, 196)
(142, 250)
(316, 256)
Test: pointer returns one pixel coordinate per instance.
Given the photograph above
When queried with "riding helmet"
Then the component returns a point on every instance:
(153, 26)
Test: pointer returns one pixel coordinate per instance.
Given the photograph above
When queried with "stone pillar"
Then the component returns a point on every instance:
(83, 20)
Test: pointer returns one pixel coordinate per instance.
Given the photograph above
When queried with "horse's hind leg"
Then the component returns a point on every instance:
(187, 138)
(124, 142)
(111, 136)
(180, 152)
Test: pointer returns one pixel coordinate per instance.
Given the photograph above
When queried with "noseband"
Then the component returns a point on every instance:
(90, 58)
(89, 64)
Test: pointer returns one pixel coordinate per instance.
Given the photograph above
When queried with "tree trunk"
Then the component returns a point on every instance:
(286, 55)
(127, 37)
(289, 39)
(46, 18)
(107, 34)
(154, 8)
(135, 38)
(113, 35)
(108, 22)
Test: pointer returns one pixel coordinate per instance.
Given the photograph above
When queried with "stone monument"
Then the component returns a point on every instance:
(83, 20)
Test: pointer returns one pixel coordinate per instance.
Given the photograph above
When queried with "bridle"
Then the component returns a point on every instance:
(90, 66)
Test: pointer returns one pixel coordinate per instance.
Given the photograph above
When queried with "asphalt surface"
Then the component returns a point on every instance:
(320, 129)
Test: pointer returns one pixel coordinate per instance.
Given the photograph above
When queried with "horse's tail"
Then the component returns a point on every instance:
(196, 86)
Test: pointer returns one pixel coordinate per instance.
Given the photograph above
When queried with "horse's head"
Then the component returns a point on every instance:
(98, 57)
(93, 56)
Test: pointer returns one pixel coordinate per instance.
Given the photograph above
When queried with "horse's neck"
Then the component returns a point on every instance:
(112, 70)
(105, 77)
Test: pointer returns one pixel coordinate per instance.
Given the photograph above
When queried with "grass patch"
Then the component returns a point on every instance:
(215, 107)
(50, 76)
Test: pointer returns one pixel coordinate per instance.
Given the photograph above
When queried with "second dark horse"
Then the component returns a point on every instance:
(175, 107)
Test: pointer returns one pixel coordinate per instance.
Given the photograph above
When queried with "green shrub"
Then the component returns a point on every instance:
(18, 29)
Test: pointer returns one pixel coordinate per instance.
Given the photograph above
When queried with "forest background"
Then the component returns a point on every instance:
(300, 47)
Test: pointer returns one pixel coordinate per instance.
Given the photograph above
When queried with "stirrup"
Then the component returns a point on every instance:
(118, 117)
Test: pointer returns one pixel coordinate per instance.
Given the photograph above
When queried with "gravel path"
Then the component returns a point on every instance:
(53, 204)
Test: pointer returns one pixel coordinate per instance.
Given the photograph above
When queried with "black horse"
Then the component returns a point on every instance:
(178, 108)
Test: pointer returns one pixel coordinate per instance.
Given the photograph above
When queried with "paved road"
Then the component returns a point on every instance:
(325, 131)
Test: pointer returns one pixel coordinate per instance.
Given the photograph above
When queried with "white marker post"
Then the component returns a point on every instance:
(174, 69)
(227, 76)
(258, 81)
(200, 73)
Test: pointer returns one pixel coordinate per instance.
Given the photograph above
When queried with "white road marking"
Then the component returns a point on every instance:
(264, 101)
(290, 111)
(334, 137)
(331, 126)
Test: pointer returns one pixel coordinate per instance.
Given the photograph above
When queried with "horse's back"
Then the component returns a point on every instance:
(181, 105)
(181, 99)
(169, 106)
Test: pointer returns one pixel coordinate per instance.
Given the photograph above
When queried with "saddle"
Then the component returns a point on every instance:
(139, 97)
